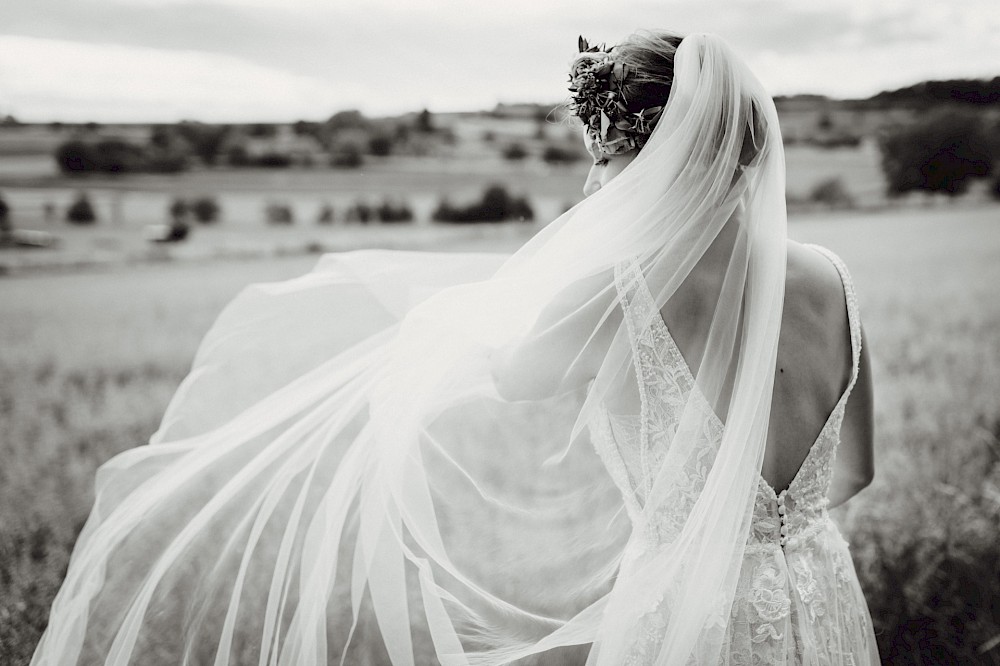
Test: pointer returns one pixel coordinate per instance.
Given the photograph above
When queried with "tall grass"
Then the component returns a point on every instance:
(926, 535)
(87, 365)
(89, 361)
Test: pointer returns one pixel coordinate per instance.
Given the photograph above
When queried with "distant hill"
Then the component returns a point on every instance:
(969, 91)
(979, 92)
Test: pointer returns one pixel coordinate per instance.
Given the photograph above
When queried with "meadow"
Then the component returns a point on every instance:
(129, 208)
(137, 199)
(88, 361)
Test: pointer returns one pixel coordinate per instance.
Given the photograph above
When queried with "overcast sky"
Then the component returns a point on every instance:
(282, 60)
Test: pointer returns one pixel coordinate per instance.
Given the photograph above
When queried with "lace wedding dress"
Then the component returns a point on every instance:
(368, 452)
(798, 600)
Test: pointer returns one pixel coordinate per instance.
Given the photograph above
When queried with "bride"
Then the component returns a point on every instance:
(572, 453)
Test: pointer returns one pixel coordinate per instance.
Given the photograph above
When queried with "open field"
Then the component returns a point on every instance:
(129, 208)
(143, 198)
(89, 360)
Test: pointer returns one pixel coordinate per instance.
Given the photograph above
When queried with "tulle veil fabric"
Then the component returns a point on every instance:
(389, 458)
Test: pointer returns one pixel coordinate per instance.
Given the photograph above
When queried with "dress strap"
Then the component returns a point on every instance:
(637, 303)
(853, 316)
(638, 310)
(628, 281)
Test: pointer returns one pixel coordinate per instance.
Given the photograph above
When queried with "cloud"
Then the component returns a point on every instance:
(308, 58)
(73, 81)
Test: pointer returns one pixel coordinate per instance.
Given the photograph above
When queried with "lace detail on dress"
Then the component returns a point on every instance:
(798, 592)
(665, 385)
(770, 600)
(648, 633)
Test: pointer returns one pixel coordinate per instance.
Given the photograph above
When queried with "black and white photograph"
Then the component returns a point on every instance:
(540, 333)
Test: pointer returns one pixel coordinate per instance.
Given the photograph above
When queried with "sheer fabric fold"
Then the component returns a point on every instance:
(391, 457)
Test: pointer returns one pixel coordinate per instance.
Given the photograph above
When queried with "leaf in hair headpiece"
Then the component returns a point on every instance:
(597, 82)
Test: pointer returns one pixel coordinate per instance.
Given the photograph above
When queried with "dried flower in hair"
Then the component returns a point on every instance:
(597, 84)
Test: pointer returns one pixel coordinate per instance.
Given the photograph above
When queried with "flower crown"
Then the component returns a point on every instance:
(597, 83)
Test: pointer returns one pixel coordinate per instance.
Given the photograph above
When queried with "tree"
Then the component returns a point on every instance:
(325, 215)
(238, 156)
(938, 153)
(277, 213)
(161, 136)
(107, 155)
(81, 211)
(359, 211)
(424, 122)
(118, 156)
(206, 141)
(305, 128)
(262, 130)
(165, 161)
(380, 145)
(5, 226)
(76, 156)
(273, 160)
(205, 210)
(515, 152)
(833, 193)
(350, 119)
(495, 205)
(179, 228)
(346, 155)
(179, 210)
(555, 154)
(177, 232)
(995, 189)
(390, 211)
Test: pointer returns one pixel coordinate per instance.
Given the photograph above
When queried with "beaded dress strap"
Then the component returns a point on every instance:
(853, 315)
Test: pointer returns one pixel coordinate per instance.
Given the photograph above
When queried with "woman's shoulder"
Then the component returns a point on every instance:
(813, 280)
(816, 310)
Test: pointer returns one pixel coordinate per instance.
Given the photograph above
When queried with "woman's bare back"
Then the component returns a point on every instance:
(813, 368)
(814, 362)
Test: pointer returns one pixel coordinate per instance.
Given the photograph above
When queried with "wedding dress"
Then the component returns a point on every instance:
(394, 453)
(798, 600)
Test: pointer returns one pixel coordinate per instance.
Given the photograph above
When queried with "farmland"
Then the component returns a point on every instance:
(128, 207)
(90, 359)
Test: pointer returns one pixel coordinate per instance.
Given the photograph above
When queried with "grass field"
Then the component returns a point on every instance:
(128, 208)
(89, 360)
(141, 199)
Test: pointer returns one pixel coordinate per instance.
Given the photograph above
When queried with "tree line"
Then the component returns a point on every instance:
(344, 140)
(952, 139)
(942, 151)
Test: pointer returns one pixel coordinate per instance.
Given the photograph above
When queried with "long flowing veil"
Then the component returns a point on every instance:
(392, 457)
